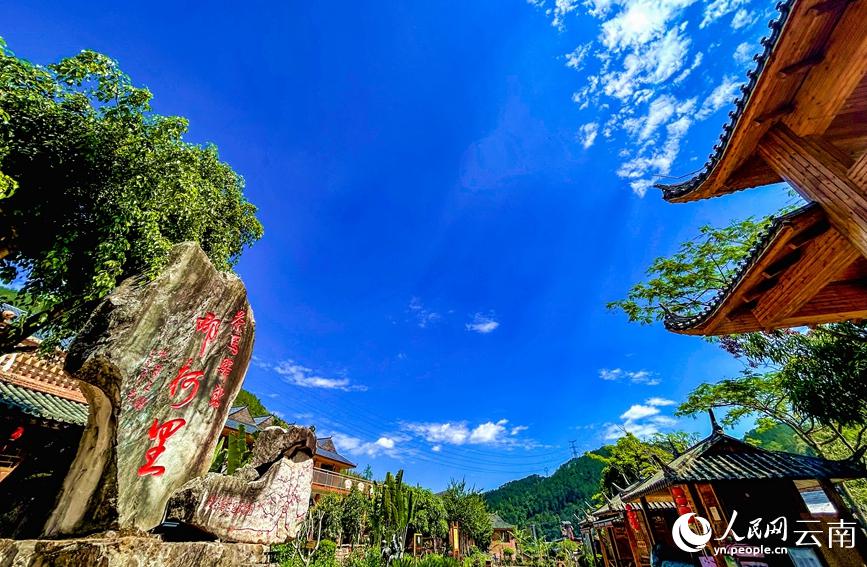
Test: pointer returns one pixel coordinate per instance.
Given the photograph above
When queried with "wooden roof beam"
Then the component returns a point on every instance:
(823, 259)
(818, 175)
(858, 171)
(831, 81)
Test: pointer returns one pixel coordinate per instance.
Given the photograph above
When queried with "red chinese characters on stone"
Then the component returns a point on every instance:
(150, 371)
(159, 433)
(239, 322)
(234, 344)
(225, 368)
(210, 326)
(217, 396)
(186, 380)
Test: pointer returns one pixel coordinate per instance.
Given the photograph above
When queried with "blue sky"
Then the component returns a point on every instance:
(451, 192)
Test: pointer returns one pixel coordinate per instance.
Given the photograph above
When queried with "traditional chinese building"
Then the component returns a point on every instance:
(748, 496)
(503, 539)
(330, 468)
(42, 416)
(802, 118)
(607, 531)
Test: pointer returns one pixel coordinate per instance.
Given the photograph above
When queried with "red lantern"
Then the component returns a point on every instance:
(681, 510)
(677, 492)
(629, 507)
(681, 501)
(19, 431)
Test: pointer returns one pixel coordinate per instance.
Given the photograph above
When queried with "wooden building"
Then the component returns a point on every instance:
(502, 539)
(607, 530)
(735, 485)
(802, 118)
(42, 417)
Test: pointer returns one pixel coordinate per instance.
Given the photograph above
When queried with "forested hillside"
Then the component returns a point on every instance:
(545, 501)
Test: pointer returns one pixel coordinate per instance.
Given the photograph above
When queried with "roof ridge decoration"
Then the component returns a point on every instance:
(675, 322)
(769, 42)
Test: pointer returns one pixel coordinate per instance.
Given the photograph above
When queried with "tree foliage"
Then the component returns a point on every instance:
(687, 281)
(430, 518)
(95, 187)
(630, 459)
(467, 507)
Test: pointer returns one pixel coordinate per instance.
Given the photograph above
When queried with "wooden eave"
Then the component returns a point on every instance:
(802, 272)
(811, 78)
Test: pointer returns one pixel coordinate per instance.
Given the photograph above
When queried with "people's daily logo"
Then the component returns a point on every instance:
(685, 538)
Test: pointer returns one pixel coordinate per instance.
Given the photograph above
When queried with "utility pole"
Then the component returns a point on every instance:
(574, 449)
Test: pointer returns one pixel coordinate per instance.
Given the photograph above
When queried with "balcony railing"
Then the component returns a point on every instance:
(337, 482)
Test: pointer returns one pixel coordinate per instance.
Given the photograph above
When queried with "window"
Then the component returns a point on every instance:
(815, 498)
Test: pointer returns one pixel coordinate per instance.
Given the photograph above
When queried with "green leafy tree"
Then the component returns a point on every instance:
(467, 507)
(355, 515)
(631, 459)
(687, 281)
(430, 518)
(95, 187)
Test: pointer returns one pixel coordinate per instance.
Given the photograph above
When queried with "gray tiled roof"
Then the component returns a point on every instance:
(41, 404)
(721, 457)
(334, 456)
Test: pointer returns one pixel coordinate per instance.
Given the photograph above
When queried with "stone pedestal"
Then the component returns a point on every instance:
(160, 363)
(128, 552)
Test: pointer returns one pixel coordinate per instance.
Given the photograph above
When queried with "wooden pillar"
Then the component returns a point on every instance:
(820, 172)
(644, 512)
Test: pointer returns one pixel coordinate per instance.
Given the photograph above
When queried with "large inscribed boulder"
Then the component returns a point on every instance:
(160, 363)
(263, 502)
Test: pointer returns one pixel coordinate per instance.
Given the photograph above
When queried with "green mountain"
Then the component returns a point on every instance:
(545, 501)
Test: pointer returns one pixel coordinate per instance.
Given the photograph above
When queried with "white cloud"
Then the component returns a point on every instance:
(423, 316)
(587, 134)
(716, 9)
(461, 433)
(436, 448)
(639, 411)
(743, 18)
(482, 324)
(488, 432)
(642, 420)
(575, 59)
(641, 57)
(298, 375)
(561, 9)
(658, 402)
(699, 57)
(744, 53)
(354, 446)
(634, 376)
(639, 22)
(723, 94)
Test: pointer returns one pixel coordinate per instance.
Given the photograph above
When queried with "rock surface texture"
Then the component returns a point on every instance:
(160, 363)
(264, 502)
(128, 552)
